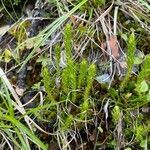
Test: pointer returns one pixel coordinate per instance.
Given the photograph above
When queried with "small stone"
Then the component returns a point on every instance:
(19, 91)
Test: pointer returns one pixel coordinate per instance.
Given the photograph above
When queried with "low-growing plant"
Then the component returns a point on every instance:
(82, 74)
(75, 78)
(141, 135)
(144, 76)
(130, 59)
(116, 114)
(48, 83)
(12, 127)
(73, 108)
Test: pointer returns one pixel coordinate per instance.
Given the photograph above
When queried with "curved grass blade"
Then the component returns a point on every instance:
(51, 29)
(24, 129)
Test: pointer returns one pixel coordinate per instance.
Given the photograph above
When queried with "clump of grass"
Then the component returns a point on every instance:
(71, 82)
(14, 132)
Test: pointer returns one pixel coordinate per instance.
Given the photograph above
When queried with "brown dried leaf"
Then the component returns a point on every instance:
(114, 47)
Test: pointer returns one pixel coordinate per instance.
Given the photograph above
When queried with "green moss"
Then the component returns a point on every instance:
(145, 72)
(68, 41)
(48, 83)
(116, 114)
(90, 77)
(130, 59)
(82, 74)
(67, 123)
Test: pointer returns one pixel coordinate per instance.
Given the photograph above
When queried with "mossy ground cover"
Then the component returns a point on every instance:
(74, 74)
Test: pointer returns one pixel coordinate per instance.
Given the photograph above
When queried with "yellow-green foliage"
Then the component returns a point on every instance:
(68, 41)
(90, 77)
(67, 122)
(82, 73)
(95, 3)
(84, 108)
(131, 51)
(69, 79)
(145, 72)
(99, 2)
(116, 114)
(142, 86)
(141, 133)
(130, 58)
(19, 31)
(69, 74)
(69, 82)
(65, 80)
(47, 80)
(74, 76)
(86, 101)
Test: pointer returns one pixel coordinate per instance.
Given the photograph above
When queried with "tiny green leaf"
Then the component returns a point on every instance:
(148, 96)
(137, 60)
(143, 143)
(7, 55)
(143, 86)
(124, 36)
(100, 129)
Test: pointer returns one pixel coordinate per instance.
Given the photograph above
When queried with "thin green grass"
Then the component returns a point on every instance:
(47, 32)
(20, 129)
